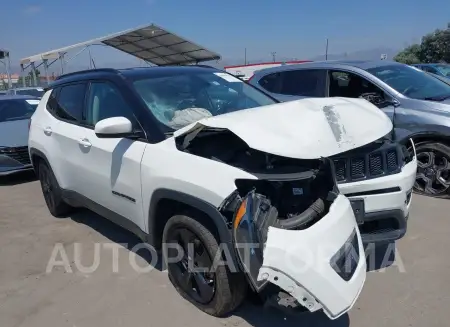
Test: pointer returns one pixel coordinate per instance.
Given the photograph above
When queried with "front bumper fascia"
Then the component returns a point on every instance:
(298, 261)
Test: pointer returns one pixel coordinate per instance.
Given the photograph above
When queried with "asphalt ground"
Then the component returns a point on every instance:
(413, 290)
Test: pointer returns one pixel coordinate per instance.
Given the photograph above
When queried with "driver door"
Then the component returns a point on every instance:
(112, 165)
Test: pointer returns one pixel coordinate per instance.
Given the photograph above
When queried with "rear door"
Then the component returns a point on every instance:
(111, 166)
(66, 105)
(291, 85)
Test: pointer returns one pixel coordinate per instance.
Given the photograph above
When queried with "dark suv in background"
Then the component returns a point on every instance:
(417, 103)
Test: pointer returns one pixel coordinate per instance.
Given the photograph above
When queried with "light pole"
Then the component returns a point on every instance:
(273, 55)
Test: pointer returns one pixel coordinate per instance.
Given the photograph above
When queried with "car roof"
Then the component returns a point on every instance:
(18, 97)
(28, 88)
(362, 64)
(136, 72)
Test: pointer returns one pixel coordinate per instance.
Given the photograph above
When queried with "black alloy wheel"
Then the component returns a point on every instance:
(193, 272)
(214, 289)
(433, 169)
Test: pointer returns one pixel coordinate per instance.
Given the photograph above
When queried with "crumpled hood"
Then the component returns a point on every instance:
(304, 129)
(14, 133)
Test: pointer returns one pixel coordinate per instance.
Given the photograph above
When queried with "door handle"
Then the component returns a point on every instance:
(48, 131)
(85, 143)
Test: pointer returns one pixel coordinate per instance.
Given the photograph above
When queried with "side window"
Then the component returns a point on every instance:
(304, 82)
(105, 101)
(271, 82)
(52, 103)
(349, 85)
(70, 102)
(430, 69)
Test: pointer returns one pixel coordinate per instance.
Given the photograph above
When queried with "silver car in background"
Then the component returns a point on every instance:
(30, 91)
(417, 103)
(15, 113)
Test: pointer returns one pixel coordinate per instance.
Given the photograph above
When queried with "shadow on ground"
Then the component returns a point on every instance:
(116, 234)
(258, 316)
(19, 178)
(379, 256)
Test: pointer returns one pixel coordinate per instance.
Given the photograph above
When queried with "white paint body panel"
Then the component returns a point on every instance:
(299, 261)
(304, 129)
(109, 167)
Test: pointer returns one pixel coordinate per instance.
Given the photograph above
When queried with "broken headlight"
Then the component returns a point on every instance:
(250, 226)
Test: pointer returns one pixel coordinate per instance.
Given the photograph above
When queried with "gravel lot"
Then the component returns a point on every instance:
(31, 297)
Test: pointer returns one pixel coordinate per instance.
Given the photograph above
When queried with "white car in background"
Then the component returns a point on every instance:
(192, 156)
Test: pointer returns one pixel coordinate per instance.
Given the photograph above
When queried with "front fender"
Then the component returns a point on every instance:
(208, 209)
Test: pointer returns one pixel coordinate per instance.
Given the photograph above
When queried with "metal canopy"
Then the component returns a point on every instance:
(150, 43)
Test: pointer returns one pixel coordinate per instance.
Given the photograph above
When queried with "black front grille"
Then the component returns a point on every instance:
(19, 154)
(392, 160)
(376, 164)
(357, 165)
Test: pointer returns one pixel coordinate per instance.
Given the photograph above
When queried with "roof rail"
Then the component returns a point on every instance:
(80, 72)
(205, 66)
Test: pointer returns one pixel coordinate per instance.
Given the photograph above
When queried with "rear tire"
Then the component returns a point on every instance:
(229, 288)
(52, 192)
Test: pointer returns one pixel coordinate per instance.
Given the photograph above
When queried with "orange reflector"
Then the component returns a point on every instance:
(240, 214)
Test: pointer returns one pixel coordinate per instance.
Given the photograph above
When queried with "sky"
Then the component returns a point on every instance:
(291, 28)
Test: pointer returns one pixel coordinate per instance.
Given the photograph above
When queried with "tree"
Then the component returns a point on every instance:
(410, 55)
(434, 48)
(4, 85)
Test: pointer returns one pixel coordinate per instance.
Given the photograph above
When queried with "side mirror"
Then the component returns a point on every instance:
(114, 127)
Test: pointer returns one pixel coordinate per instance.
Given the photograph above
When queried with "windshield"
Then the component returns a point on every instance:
(412, 82)
(444, 69)
(16, 109)
(33, 92)
(178, 100)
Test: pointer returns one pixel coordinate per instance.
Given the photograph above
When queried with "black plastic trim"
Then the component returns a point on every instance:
(389, 236)
(212, 212)
(374, 192)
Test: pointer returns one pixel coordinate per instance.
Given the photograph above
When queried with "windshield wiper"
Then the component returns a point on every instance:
(438, 98)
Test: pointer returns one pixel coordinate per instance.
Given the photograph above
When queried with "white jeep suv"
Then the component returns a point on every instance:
(194, 156)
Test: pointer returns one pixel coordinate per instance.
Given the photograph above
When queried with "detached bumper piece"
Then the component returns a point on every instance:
(319, 266)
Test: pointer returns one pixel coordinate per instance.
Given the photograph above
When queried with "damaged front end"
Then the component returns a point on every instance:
(291, 227)
(292, 230)
(297, 232)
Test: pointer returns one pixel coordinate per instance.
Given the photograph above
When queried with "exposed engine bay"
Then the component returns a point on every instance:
(300, 190)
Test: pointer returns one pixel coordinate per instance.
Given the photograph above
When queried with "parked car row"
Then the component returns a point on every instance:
(15, 113)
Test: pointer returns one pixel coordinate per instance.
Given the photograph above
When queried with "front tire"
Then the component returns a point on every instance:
(217, 291)
(52, 192)
(433, 169)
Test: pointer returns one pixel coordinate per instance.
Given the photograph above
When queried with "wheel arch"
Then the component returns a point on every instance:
(165, 203)
(35, 156)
